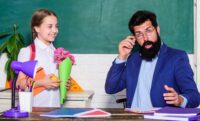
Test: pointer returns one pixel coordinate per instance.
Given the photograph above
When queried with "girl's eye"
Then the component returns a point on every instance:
(49, 26)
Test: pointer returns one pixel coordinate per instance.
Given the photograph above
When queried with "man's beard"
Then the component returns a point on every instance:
(150, 53)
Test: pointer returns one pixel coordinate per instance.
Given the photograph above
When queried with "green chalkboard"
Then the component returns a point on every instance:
(97, 26)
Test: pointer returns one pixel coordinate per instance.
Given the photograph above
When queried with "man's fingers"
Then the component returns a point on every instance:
(170, 98)
(131, 39)
(169, 89)
(171, 102)
(169, 94)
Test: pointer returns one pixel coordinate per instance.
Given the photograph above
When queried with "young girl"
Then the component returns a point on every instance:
(44, 27)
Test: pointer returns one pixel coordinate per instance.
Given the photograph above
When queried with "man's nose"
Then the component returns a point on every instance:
(145, 37)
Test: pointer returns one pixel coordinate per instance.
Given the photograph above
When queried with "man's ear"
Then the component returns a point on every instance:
(158, 29)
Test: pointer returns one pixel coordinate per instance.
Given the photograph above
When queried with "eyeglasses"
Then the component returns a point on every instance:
(148, 32)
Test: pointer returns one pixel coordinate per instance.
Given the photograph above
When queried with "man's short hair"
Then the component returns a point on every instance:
(140, 17)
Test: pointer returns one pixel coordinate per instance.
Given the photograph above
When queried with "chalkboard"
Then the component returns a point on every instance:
(97, 26)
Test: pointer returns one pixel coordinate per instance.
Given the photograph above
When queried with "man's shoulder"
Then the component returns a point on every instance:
(174, 50)
(175, 53)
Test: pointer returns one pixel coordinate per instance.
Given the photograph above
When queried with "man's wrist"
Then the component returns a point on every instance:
(122, 57)
(118, 61)
(180, 100)
(183, 101)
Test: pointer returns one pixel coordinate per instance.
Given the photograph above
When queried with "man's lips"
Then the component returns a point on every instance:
(148, 46)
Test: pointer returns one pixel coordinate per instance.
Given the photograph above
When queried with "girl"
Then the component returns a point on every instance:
(44, 27)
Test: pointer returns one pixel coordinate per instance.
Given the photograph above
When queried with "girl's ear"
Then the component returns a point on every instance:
(36, 29)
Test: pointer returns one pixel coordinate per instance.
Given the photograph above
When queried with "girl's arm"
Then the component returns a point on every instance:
(46, 81)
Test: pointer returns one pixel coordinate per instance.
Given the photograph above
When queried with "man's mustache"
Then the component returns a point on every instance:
(148, 42)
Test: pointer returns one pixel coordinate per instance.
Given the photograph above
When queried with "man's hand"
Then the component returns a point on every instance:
(172, 97)
(125, 47)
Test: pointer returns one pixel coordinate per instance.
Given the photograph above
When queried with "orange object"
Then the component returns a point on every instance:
(8, 84)
(54, 77)
(75, 87)
(39, 74)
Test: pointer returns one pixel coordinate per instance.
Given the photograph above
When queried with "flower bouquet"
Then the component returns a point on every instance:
(64, 61)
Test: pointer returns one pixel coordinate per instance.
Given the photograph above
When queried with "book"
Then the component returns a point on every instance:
(77, 112)
(175, 111)
(141, 111)
(96, 113)
(173, 118)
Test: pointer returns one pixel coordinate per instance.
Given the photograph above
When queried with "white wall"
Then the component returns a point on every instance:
(197, 39)
(90, 72)
(3, 59)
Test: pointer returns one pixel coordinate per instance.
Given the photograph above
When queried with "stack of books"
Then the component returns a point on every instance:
(174, 113)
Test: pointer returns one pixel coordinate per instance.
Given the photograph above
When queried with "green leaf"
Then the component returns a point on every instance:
(20, 45)
(14, 54)
(12, 74)
(3, 47)
(15, 27)
(11, 44)
(20, 38)
(4, 34)
(20, 41)
(11, 47)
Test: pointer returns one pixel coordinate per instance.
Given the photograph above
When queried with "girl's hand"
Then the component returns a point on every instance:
(68, 84)
(49, 82)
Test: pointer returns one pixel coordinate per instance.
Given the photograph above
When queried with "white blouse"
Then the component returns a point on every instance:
(44, 55)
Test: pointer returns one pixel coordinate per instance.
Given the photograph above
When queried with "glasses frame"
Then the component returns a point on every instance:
(148, 32)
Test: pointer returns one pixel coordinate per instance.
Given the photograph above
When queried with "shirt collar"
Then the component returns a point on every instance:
(41, 45)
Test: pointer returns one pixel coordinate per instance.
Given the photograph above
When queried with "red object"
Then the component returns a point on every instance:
(32, 47)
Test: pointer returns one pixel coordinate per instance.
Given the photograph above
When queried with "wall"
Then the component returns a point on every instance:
(3, 60)
(97, 26)
(197, 40)
(90, 72)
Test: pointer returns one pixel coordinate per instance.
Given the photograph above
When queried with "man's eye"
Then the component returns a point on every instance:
(138, 34)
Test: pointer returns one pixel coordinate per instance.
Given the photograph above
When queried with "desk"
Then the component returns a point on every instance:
(117, 115)
(74, 99)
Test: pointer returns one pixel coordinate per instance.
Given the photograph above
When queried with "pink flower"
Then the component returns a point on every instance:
(60, 54)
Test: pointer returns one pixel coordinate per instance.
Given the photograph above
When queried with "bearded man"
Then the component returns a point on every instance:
(154, 76)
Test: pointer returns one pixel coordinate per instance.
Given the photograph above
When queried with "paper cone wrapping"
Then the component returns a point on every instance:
(64, 73)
